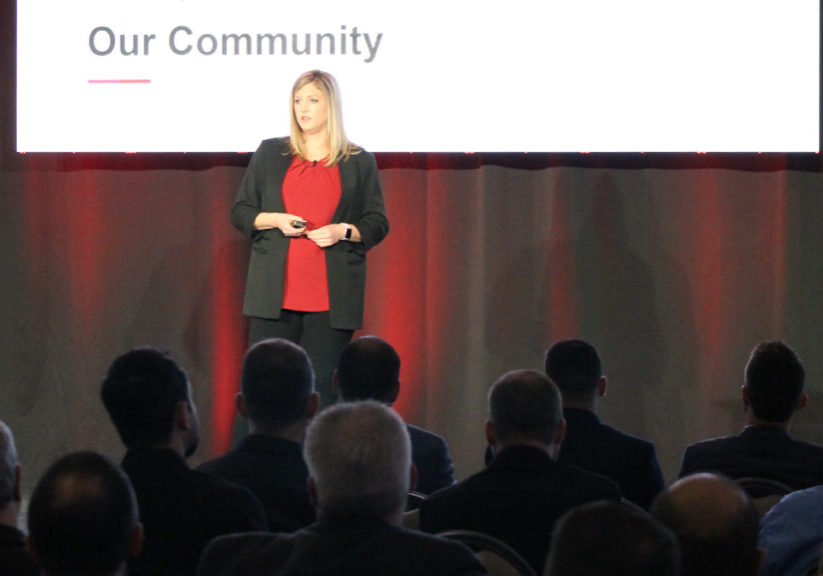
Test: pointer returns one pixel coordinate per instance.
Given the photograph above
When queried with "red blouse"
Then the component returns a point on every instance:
(311, 190)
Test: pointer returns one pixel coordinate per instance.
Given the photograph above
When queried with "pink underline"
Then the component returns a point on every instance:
(136, 81)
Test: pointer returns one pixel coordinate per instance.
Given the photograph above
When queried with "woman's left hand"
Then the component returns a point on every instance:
(328, 235)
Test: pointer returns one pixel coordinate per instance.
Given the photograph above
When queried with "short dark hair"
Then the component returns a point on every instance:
(525, 404)
(368, 369)
(277, 382)
(82, 516)
(574, 366)
(774, 378)
(715, 522)
(607, 538)
(140, 392)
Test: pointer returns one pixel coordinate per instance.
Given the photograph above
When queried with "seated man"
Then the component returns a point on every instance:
(772, 394)
(524, 490)
(610, 538)
(14, 559)
(574, 366)
(83, 518)
(148, 397)
(369, 369)
(791, 533)
(715, 523)
(277, 397)
(359, 463)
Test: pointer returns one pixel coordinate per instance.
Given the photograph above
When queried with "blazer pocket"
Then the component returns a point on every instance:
(356, 255)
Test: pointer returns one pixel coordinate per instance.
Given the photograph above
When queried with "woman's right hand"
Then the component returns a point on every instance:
(281, 220)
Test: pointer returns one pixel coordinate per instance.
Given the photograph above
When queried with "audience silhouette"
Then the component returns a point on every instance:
(333, 485)
(359, 461)
(148, 397)
(519, 496)
(772, 394)
(278, 399)
(369, 369)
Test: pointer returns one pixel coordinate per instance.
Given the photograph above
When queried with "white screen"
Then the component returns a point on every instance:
(424, 76)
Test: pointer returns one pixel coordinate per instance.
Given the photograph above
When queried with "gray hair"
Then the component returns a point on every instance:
(8, 463)
(359, 455)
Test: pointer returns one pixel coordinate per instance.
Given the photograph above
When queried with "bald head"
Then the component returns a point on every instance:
(83, 517)
(715, 522)
(525, 406)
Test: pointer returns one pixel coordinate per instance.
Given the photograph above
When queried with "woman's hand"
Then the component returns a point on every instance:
(281, 220)
(328, 235)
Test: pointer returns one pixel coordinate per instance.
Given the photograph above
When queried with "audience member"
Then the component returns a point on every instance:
(278, 399)
(148, 397)
(772, 394)
(715, 523)
(83, 518)
(359, 462)
(13, 556)
(791, 533)
(612, 539)
(519, 496)
(574, 365)
(369, 369)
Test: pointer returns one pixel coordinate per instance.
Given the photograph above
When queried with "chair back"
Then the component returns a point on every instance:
(414, 500)
(499, 558)
(764, 492)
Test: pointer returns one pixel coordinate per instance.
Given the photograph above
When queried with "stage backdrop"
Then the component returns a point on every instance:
(673, 267)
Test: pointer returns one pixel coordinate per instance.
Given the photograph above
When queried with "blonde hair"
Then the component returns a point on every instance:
(339, 146)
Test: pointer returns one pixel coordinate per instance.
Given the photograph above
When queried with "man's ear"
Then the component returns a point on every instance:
(183, 416)
(31, 550)
(760, 560)
(241, 406)
(602, 384)
(313, 405)
(335, 383)
(560, 433)
(747, 398)
(491, 437)
(801, 403)
(395, 393)
(413, 473)
(136, 542)
(312, 492)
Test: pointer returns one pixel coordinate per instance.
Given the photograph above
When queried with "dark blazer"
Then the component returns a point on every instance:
(274, 470)
(430, 455)
(517, 499)
(182, 510)
(761, 451)
(361, 204)
(626, 459)
(350, 547)
(14, 559)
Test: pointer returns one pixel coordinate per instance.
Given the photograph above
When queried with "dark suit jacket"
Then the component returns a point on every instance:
(517, 499)
(346, 547)
(761, 451)
(14, 560)
(361, 204)
(182, 510)
(628, 460)
(431, 456)
(274, 469)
